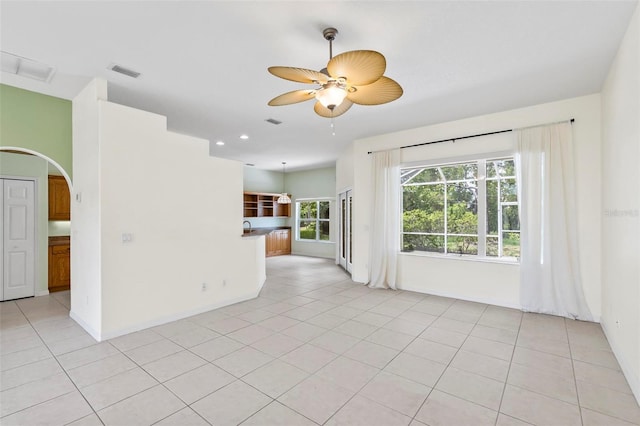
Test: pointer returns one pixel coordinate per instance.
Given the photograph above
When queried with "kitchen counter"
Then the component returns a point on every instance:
(59, 240)
(255, 232)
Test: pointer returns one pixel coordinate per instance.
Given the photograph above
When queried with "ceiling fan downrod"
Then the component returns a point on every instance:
(330, 35)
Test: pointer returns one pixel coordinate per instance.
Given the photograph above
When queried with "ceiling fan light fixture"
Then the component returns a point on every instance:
(354, 77)
(331, 95)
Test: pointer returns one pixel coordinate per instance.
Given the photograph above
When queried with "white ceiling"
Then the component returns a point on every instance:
(204, 64)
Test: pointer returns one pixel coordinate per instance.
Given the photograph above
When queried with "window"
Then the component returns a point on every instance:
(467, 208)
(313, 220)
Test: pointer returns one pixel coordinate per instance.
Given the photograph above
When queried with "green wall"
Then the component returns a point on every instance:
(316, 183)
(37, 122)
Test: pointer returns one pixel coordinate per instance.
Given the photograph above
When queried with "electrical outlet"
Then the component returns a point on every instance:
(204, 286)
(618, 323)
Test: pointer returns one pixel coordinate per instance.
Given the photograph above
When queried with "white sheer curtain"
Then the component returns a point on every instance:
(549, 268)
(385, 224)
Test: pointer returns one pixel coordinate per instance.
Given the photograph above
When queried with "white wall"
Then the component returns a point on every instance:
(344, 170)
(621, 205)
(18, 165)
(316, 183)
(493, 283)
(184, 215)
(86, 287)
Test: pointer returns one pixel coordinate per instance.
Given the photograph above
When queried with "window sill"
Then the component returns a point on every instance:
(466, 258)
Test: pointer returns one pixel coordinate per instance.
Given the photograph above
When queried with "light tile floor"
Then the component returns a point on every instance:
(314, 348)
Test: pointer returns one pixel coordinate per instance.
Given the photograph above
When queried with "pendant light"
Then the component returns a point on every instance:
(283, 198)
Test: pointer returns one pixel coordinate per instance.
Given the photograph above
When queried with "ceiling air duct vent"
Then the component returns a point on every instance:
(125, 71)
(273, 121)
(26, 67)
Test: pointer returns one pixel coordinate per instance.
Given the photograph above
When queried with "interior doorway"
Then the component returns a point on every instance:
(345, 256)
(48, 268)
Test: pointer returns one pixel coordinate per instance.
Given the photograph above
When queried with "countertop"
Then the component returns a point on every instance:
(256, 232)
(59, 240)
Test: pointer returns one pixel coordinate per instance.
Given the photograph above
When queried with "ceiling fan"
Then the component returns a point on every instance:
(354, 77)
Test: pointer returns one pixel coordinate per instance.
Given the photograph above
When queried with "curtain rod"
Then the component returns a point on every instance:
(472, 136)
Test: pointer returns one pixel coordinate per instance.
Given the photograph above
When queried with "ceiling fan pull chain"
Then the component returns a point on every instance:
(333, 126)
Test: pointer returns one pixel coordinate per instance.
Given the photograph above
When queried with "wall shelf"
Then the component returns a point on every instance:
(263, 204)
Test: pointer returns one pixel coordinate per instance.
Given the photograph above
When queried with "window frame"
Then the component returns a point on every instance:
(317, 220)
(480, 180)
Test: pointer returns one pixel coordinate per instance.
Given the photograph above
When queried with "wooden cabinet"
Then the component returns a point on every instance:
(278, 242)
(261, 204)
(59, 264)
(59, 199)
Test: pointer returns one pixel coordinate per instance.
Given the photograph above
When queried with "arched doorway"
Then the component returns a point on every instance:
(48, 263)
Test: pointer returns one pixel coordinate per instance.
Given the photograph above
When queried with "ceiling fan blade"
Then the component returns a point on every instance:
(301, 75)
(382, 91)
(323, 111)
(293, 97)
(359, 67)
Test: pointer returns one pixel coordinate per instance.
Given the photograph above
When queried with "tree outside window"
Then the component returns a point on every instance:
(466, 209)
(313, 220)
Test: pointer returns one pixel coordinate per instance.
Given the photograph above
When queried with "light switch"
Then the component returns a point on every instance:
(127, 238)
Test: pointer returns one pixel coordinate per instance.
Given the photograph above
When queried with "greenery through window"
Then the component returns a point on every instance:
(466, 209)
(313, 220)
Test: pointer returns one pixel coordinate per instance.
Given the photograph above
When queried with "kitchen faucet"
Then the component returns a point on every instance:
(246, 221)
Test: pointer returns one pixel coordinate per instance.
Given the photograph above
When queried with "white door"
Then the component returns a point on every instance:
(18, 239)
(345, 200)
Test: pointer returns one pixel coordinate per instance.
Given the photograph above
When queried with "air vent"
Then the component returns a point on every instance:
(26, 67)
(273, 121)
(126, 71)
(249, 164)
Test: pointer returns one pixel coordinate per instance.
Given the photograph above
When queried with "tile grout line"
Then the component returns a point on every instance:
(576, 379)
(61, 367)
(506, 379)
(342, 354)
(449, 364)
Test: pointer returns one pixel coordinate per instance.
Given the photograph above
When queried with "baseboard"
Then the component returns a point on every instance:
(176, 316)
(94, 333)
(488, 301)
(294, 253)
(634, 381)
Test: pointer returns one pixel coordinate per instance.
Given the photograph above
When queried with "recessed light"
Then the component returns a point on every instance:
(219, 143)
(244, 137)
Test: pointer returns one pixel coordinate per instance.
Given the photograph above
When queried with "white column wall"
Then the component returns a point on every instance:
(621, 204)
(86, 290)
